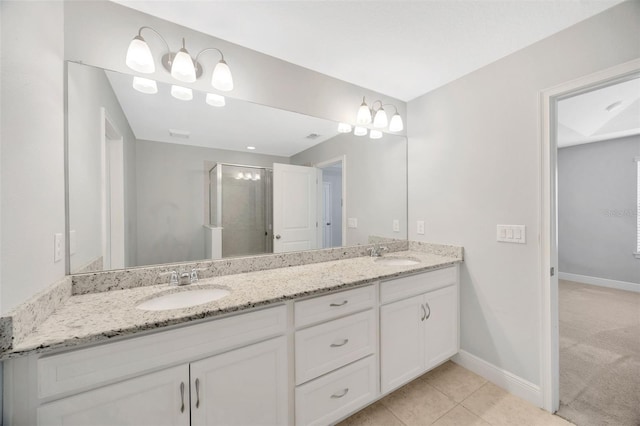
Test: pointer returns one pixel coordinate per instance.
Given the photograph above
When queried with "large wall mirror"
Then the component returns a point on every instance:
(159, 174)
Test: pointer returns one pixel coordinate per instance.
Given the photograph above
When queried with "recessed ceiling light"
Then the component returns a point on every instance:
(613, 106)
(251, 148)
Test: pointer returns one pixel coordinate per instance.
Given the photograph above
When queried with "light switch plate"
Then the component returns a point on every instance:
(511, 234)
(352, 222)
(396, 225)
(420, 227)
(57, 247)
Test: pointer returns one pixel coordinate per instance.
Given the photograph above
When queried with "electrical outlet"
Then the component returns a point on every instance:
(352, 222)
(57, 247)
(420, 227)
(396, 225)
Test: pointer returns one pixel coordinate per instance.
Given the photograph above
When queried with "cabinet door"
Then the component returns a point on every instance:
(441, 325)
(402, 347)
(155, 399)
(246, 386)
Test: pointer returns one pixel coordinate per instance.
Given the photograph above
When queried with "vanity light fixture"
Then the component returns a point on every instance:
(378, 116)
(360, 131)
(182, 93)
(251, 148)
(215, 100)
(375, 134)
(181, 65)
(344, 128)
(145, 85)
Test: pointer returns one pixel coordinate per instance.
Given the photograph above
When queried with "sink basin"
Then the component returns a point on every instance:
(396, 261)
(183, 299)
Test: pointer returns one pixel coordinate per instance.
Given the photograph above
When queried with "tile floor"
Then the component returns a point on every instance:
(451, 395)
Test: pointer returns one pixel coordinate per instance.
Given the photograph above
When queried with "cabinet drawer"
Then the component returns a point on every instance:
(86, 368)
(333, 305)
(327, 399)
(331, 345)
(416, 284)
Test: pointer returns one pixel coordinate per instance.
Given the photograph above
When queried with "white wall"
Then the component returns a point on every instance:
(32, 164)
(100, 32)
(597, 210)
(172, 193)
(473, 163)
(376, 177)
(88, 92)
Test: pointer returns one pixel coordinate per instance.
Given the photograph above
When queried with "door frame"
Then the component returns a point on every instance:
(548, 257)
(340, 159)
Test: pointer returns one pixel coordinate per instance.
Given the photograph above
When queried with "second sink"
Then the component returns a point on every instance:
(396, 261)
(183, 299)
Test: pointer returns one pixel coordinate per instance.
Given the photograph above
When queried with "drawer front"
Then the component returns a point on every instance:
(86, 368)
(412, 285)
(331, 397)
(331, 345)
(331, 306)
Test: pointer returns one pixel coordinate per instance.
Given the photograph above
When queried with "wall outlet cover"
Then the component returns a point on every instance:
(57, 247)
(352, 222)
(396, 225)
(420, 227)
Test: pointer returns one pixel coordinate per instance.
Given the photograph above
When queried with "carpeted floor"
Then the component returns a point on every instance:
(599, 355)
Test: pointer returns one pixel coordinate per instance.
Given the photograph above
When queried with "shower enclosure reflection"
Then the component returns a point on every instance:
(240, 203)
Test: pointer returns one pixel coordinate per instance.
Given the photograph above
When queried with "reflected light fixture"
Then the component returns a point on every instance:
(145, 85)
(215, 100)
(182, 93)
(344, 128)
(182, 66)
(360, 131)
(251, 148)
(378, 116)
(375, 134)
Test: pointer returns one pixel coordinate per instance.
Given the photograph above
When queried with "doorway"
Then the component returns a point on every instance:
(333, 211)
(549, 258)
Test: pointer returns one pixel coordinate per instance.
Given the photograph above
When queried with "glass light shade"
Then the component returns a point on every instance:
(247, 176)
(344, 128)
(240, 175)
(396, 124)
(182, 67)
(380, 120)
(182, 93)
(221, 78)
(364, 114)
(215, 100)
(256, 176)
(360, 131)
(375, 134)
(144, 85)
(139, 56)
(251, 148)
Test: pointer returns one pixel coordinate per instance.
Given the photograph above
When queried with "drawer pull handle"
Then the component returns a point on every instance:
(335, 305)
(340, 395)
(197, 393)
(429, 314)
(424, 313)
(337, 345)
(182, 396)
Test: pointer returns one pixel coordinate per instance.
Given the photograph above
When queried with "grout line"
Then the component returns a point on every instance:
(448, 411)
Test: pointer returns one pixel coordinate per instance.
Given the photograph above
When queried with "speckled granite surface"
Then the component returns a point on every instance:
(439, 249)
(97, 317)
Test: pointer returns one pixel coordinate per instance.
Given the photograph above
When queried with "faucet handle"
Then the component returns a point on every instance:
(194, 275)
(174, 278)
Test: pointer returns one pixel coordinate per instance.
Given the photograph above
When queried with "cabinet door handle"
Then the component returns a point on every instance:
(182, 396)
(337, 345)
(333, 305)
(428, 307)
(340, 395)
(424, 313)
(197, 393)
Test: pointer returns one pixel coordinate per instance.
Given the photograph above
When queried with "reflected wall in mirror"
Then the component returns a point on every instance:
(155, 179)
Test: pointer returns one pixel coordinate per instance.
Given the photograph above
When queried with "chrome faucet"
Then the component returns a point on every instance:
(377, 249)
(183, 278)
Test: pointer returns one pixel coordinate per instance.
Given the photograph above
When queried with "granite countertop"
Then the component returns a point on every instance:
(97, 317)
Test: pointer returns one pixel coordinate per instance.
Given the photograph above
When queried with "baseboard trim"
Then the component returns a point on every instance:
(508, 381)
(602, 282)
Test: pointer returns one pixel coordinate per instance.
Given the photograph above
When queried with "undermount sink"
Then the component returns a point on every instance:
(183, 299)
(396, 261)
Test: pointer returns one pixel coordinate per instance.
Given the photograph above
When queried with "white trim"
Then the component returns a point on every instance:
(549, 347)
(602, 282)
(506, 380)
(341, 159)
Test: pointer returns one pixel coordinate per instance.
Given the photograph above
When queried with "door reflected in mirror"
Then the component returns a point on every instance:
(154, 179)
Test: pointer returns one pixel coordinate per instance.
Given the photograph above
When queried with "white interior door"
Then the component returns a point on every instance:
(327, 219)
(295, 223)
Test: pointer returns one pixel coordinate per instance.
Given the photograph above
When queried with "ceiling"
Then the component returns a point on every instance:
(607, 113)
(272, 131)
(398, 48)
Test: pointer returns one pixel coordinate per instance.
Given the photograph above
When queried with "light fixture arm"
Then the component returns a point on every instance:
(159, 35)
(209, 48)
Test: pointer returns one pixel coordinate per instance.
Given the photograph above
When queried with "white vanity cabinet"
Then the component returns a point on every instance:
(420, 330)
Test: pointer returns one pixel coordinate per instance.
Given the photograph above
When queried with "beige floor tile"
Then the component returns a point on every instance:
(460, 416)
(418, 403)
(454, 381)
(374, 415)
(499, 407)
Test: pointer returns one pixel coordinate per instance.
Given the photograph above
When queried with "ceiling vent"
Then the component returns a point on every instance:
(313, 136)
(184, 134)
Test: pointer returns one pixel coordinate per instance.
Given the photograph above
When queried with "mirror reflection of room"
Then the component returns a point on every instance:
(157, 178)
